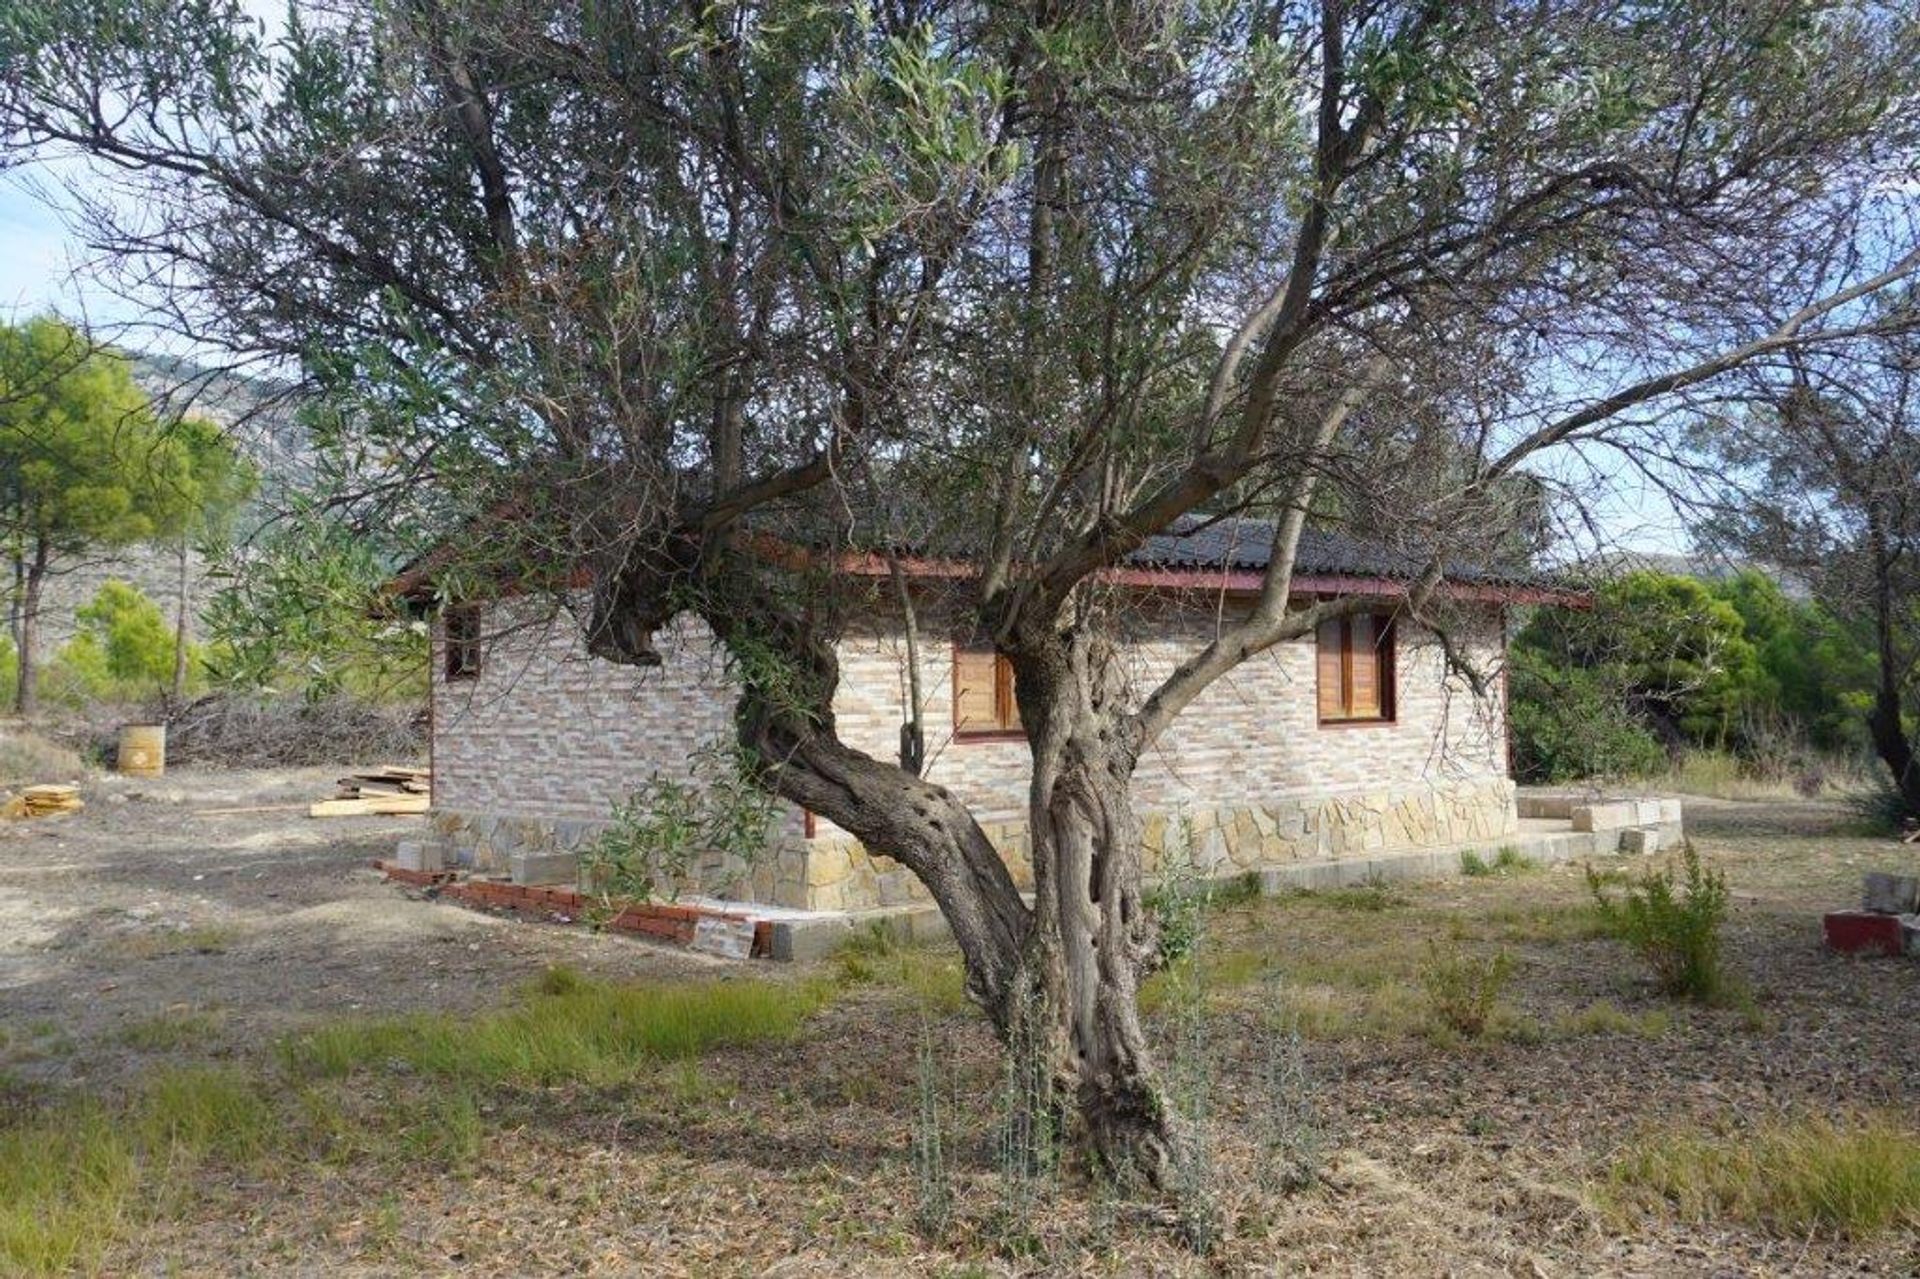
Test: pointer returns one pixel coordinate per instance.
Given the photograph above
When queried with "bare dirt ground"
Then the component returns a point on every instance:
(145, 904)
(1488, 1156)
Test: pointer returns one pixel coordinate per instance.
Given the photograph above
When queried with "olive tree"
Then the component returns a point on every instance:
(1826, 462)
(684, 298)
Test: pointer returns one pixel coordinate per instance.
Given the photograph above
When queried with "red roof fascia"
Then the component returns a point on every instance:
(1233, 582)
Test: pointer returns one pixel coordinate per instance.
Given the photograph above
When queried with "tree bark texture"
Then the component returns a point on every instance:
(1885, 722)
(177, 696)
(1092, 936)
(26, 697)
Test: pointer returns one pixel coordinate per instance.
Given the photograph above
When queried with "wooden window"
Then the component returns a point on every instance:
(463, 642)
(983, 703)
(1356, 669)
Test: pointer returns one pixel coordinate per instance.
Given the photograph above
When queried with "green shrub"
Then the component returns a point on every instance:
(1570, 722)
(1463, 988)
(670, 833)
(1674, 925)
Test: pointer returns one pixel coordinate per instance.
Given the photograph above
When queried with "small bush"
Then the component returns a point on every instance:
(1463, 989)
(1851, 1178)
(1674, 926)
(1879, 808)
(674, 834)
(932, 1142)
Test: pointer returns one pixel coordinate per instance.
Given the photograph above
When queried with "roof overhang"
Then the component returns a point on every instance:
(414, 584)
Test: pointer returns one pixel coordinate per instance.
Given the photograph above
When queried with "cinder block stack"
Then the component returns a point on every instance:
(1887, 923)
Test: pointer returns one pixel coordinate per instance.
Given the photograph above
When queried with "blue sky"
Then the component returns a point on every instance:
(36, 254)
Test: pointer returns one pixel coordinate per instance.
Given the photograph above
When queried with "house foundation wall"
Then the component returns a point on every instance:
(834, 872)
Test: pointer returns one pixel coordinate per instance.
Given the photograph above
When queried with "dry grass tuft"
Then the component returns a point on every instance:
(27, 758)
(573, 1031)
(1853, 1178)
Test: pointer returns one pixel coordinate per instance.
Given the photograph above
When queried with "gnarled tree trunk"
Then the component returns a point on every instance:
(1092, 936)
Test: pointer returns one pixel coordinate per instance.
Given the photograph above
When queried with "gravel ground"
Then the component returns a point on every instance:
(794, 1158)
(147, 904)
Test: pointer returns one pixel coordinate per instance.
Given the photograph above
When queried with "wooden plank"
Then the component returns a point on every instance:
(380, 806)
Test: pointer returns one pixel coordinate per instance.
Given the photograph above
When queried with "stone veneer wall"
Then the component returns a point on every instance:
(530, 754)
(1217, 842)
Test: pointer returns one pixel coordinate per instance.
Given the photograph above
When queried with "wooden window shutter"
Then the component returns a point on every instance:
(976, 698)
(1008, 706)
(1331, 640)
(1354, 669)
(1363, 666)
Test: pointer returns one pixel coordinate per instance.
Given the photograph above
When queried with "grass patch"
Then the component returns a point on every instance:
(1218, 971)
(65, 1181)
(1508, 861)
(199, 939)
(74, 1176)
(933, 977)
(1852, 1178)
(589, 1032)
(1374, 894)
(1532, 925)
(172, 1031)
(1392, 1009)
(1605, 1018)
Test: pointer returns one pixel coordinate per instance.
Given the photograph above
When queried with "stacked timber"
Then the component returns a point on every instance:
(385, 792)
(40, 801)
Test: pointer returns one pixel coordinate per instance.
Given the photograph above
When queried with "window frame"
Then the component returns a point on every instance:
(462, 635)
(1005, 707)
(1387, 674)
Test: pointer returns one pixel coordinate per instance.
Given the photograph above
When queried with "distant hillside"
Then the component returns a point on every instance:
(1707, 568)
(258, 412)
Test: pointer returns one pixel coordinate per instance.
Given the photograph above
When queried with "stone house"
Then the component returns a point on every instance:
(1350, 743)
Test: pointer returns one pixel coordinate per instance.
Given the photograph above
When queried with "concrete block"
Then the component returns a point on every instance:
(926, 925)
(1607, 816)
(727, 938)
(1559, 807)
(797, 939)
(1640, 841)
(544, 868)
(1891, 894)
(1671, 812)
(1856, 932)
(421, 855)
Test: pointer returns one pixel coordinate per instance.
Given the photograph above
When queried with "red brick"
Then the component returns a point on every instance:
(1857, 932)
